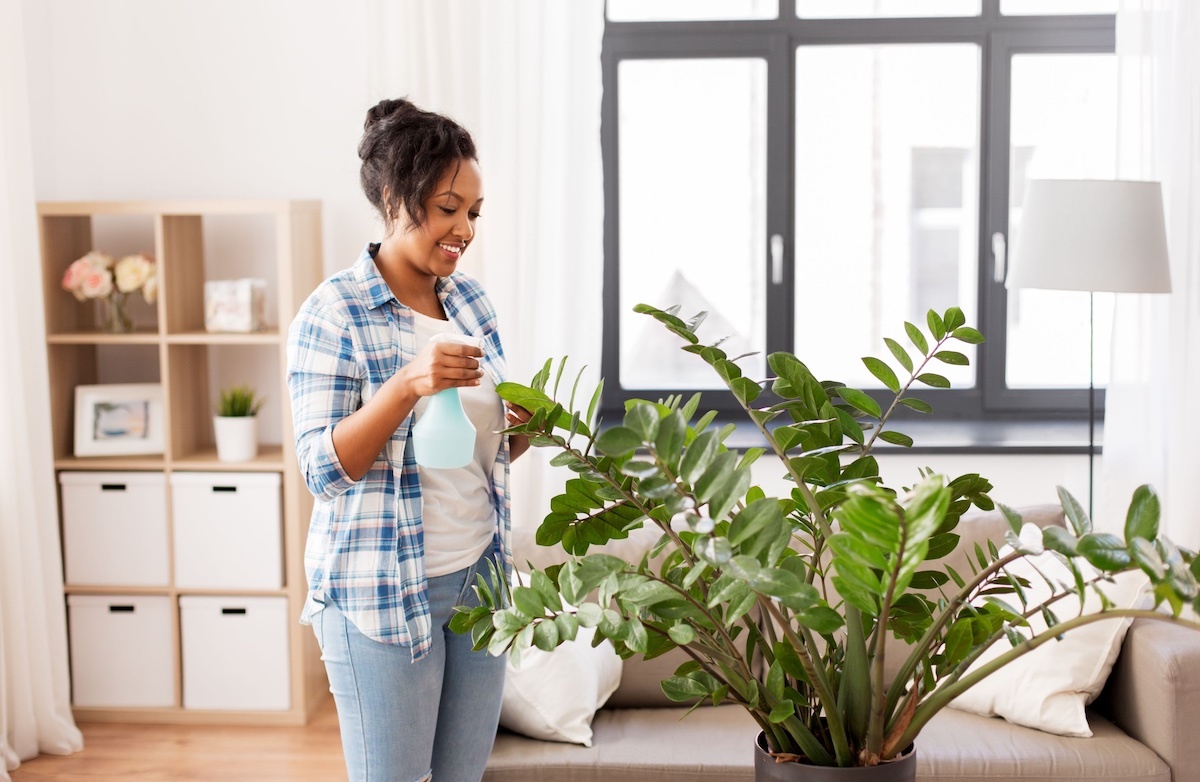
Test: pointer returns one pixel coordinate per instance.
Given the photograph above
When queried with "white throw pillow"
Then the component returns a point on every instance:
(1048, 688)
(554, 695)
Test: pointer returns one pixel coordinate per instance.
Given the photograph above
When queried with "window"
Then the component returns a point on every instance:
(770, 160)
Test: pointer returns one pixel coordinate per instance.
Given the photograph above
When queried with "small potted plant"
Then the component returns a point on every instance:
(236, 424)
(808, 584)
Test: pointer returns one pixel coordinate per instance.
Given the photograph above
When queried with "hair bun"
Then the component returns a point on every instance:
(385, 109)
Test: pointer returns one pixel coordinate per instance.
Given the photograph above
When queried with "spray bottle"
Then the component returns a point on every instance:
(445, 437)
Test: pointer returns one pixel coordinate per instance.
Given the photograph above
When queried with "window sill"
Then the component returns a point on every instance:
(965, 436)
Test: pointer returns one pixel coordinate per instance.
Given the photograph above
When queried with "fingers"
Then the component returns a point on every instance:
(516, 415)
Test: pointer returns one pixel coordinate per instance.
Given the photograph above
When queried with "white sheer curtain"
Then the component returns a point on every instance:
(35, 713)
(1151, 430)
(524, 77)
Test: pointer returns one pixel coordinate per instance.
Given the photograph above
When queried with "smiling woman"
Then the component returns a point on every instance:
(394, 545)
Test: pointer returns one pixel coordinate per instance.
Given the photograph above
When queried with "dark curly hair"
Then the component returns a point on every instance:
(405, 150)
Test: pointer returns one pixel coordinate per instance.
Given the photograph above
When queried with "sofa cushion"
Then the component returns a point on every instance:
(637, 745)
(957, 746)
(714, 745)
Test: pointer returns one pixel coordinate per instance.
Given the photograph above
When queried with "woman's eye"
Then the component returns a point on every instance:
(447, 210)
(474, 215)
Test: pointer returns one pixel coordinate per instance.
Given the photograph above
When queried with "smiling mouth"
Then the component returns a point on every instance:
(454, 249)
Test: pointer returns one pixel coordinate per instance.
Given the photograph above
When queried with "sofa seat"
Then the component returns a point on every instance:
(957, 746)
(714, 745)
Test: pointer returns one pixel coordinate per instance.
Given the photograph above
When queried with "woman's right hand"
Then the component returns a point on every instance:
(442, 365)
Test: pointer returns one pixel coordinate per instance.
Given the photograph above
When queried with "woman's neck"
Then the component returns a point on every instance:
(410, 286)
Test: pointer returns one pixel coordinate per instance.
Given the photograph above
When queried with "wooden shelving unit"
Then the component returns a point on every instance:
(175, 341)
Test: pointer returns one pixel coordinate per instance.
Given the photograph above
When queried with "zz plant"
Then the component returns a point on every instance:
(783, 603)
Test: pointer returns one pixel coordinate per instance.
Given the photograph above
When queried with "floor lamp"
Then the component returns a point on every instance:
(1094, 236)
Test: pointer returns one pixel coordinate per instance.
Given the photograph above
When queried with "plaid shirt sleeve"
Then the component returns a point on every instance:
(324, 387)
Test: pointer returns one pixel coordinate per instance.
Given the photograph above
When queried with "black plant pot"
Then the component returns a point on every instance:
(902, 769)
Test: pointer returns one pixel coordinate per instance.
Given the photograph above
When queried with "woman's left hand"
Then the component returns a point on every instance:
(515, 415)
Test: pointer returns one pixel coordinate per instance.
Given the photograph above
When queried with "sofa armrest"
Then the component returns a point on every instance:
(1154, 693)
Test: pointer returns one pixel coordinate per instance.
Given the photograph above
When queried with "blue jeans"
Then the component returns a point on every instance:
(405, 721)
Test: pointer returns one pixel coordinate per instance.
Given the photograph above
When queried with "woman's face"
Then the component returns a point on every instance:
(436, 246)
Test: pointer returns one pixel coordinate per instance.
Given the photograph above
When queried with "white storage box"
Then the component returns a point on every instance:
(115, 528)
(121, 650)
(227, 530)
(235, 652)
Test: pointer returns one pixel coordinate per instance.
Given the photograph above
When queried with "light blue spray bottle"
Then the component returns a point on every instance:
(444, 437)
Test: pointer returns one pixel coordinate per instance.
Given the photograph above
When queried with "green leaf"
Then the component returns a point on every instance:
(820, 619)
(545, 636)
(568, 626)
(636, 468)
(918, 339)
(745, 389)
(954, 318)
(883, 372)
(860, 401)
(618, 441)
(683, 688)
(682, 634)
(642, 420)
(1104, 551)
(1147, 558)
(900, 353)
(698, 455)
(952, 357)
(1078, 517)
(895, 438)
(968, 335)
(545, 590)
(1058, 539)
(916, 404)
(1142, 519)
(672, 431)
(528, 601)
(781, 711)
(936, 381)
(936, 326)
(589, 614)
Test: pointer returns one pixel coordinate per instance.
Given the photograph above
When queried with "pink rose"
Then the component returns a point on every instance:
(96, 284)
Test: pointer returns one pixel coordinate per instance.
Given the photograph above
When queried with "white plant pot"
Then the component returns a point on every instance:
(237, 437)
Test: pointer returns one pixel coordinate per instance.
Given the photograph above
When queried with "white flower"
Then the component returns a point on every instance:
(150, 290)
(133, 272)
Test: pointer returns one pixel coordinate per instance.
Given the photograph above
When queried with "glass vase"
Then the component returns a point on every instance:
(116, 319)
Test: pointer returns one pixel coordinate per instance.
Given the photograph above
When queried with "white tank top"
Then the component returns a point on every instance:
(457, 514)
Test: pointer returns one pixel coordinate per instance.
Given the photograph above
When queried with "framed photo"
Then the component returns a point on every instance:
(119, 420)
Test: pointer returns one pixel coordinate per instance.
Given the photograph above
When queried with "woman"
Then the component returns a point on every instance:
(393, 547)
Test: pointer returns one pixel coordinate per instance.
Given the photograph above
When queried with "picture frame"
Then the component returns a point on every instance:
(124, 419)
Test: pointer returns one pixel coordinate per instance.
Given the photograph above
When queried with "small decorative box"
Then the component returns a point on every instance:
(234, 305)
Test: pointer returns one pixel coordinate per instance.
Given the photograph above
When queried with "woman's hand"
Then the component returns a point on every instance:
(442, 365)
(515, 415)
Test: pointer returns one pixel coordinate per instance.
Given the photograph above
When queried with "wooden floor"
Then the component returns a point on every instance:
(199, 752)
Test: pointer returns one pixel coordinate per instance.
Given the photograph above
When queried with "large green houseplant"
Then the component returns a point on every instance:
(740, 580)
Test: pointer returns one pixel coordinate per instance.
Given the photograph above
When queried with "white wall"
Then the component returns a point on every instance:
(135, 99)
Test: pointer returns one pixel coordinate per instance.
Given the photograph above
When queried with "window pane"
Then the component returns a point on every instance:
(1064, 122)
(887, 182)
(1038, 7)
(846, 9)
(690, 10)
(693, 172)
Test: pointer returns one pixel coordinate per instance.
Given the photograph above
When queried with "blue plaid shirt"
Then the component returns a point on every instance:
(365, 549)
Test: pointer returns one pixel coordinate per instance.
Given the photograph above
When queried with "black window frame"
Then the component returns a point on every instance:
(776, 40)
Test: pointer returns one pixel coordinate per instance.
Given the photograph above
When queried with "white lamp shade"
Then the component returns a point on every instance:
(1092, 235)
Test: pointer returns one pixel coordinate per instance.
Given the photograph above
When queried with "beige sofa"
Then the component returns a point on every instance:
(1146, 724)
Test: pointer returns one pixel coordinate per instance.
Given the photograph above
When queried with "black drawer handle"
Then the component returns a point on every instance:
(120, 609)
(233, 610)
(224, 488)
(112, 487)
